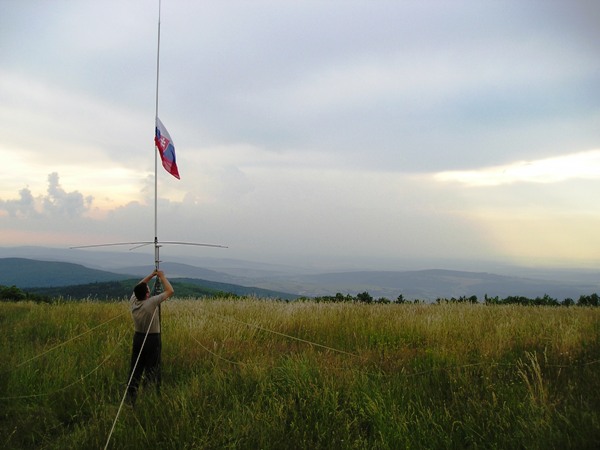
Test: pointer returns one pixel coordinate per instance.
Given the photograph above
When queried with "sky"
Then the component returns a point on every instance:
(335, 134)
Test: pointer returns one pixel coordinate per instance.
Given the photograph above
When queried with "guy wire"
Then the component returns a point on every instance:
(63, 343)
(64, 388)
(306, 341)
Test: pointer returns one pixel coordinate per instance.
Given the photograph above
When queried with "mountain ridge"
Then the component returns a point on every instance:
(54, 277)
(424, 284)
(430, 284)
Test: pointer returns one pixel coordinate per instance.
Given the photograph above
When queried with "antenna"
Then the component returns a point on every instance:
(157, 285)
(157, 244)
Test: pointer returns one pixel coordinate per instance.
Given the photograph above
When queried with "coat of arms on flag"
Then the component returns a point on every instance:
(165, 147)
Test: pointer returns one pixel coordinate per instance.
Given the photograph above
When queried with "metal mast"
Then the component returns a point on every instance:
(157, 286)
(156, 243)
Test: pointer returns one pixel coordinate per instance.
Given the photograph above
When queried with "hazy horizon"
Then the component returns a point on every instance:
(120, 257)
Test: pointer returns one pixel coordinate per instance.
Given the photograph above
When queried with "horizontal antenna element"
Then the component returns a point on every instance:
(142, 243)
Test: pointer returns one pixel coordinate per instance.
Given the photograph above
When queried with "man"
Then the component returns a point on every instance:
(146, 321)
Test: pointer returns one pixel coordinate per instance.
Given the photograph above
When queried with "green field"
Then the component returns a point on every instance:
(252, 373)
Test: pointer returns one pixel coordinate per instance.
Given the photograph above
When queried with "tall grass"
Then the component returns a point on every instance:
(263, 374)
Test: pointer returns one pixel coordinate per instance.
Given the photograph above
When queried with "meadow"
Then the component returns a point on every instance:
(263, 374)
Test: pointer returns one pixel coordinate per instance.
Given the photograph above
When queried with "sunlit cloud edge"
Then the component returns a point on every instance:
(579, 165)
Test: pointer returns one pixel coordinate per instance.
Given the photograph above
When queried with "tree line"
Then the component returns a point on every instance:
(13, 293)
(546, 300)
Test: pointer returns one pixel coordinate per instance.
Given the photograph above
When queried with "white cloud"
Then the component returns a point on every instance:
(581, 165)
(57, 202)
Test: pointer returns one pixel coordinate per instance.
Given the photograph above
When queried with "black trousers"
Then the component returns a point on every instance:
(149, 362)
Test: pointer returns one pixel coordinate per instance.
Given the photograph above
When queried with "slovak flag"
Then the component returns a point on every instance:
(165, 147)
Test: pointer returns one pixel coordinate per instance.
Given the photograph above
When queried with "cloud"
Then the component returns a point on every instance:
(56, 203)
(581, 165)
(23, 207)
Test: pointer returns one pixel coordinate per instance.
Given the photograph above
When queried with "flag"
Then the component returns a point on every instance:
(165, 147)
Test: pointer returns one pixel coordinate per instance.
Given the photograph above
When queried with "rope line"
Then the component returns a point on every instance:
(217, 355)
(414, 374)
(63, 343)
(408, 375)
(258, 327)
(112, 429)
(64, 388)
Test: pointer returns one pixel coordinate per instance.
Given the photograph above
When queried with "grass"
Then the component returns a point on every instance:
(247, 374)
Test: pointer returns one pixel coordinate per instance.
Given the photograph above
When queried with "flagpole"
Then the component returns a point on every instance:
(172, 169)
(157, 286)
(156, 246)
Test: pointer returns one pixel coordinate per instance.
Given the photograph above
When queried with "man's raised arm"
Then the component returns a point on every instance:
(168, 289)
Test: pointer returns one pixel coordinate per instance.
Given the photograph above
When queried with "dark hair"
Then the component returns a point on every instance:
(140, 290)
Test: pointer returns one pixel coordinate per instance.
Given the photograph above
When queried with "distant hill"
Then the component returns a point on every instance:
(179, 270)
(434, 283)
(61, 279)
(232, 289)
(25, 273)
(120, 290)
(418, 284)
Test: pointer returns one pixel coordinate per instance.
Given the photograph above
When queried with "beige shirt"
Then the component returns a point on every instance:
(142, 312)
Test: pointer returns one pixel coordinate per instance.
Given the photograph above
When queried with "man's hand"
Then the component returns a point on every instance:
(168, 289)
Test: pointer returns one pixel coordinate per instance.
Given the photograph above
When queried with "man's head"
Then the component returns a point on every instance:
(141, 291)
